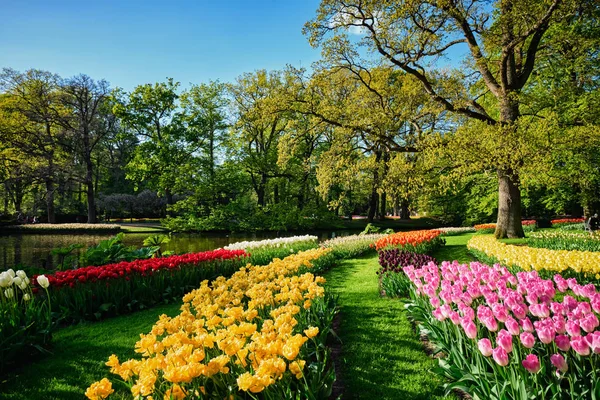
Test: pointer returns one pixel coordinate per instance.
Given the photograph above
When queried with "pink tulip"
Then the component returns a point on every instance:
(593, 340)
(485, 347)
(562, 342)
(435, 302)
(527, 325)
(546, 334)
(512, 326)
(531, 363)
(437, 313)
(559, 362)
(470, 330)
(500, 312)
(539, 310)
(500, 356)
(559, 324)
(504, 340)
(454, 317)
(580, 345)
(589, 322)
(561, 283)
(527, 340)
(573, 328)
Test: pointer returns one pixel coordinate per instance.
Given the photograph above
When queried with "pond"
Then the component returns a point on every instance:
(34, 250)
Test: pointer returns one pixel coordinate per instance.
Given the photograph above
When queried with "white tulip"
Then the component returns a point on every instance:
(26, 280)
(11, 273)
(9, 293)
(23, 285)
(5, 279)
(43, 281)
(17, 281)
(26, 297)
(21, 274)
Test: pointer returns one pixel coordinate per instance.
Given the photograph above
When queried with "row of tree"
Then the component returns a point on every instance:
(507, 129)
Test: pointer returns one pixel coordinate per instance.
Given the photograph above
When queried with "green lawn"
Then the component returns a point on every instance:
(382, 356)
(80, 352)
(455, 249)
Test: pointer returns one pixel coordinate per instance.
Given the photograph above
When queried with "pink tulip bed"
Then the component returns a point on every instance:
(509, 336)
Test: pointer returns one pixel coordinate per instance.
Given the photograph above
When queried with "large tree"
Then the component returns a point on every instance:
(164, 158)
(88, 122)
(500, 46)
(28, 122)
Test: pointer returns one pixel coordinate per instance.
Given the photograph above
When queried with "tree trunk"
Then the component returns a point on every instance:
(382, 206)
(509, 206)
(508, 223)
(260, 190)
(404, 210)
(91, 201)
(50, 201)
(169, 196)
(373, 204)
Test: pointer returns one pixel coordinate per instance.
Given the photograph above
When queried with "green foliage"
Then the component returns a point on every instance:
(65, 260)
(113, 250)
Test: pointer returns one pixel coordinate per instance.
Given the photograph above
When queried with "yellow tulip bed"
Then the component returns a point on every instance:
(540, 259)
(261, 331)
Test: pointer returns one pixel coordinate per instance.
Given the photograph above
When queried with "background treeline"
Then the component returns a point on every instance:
(513, 126)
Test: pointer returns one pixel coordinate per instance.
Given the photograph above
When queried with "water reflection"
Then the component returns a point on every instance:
(34, 250)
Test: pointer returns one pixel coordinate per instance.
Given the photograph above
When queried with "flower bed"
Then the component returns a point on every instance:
(561, 240)
(485, 228)
(529, 225)
(392, 280)
(456, 231)
(352, 246)
(25, 319)
(558, 223)
(569, 263)
(63, 228)
(263, 251)
(423, 241)
(261, 331)
(509, 336)
(96, 292)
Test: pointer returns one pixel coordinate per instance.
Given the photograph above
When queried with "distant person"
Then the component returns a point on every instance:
(594, 222)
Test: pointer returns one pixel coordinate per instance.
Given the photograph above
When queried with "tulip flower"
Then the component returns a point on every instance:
(527, 340)
(580, 345)
(562, 342)
(505, 340)
(43, 281)
(559, 362)
(500, 356)
(512, 326)
(485, 347)
(5, 279)
(531, 363)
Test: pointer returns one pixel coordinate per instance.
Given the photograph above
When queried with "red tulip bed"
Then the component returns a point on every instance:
(509, 336)
(92, 293)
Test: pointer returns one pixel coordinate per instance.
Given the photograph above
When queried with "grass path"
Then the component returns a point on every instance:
(382, 357)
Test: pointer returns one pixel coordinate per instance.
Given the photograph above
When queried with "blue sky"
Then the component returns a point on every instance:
(134, 42)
